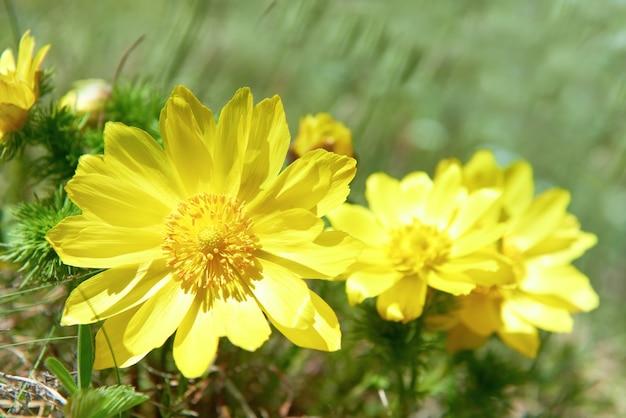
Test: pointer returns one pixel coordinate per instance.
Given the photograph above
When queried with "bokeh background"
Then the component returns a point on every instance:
(415, 81)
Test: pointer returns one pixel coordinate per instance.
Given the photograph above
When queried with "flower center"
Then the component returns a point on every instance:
(416, 247)
(210, 245)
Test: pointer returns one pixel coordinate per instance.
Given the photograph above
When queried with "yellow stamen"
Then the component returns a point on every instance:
(210, 245)
(415, 247)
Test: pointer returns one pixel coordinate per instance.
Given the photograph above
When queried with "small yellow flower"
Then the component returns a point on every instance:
(19, 84)
(322, 131)
(418, 233)
(540, 242)
(87, 96)
(204, 237)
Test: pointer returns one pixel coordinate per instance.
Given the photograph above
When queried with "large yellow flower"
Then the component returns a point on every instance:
(541, 240)
(417, 233)
(204, 237)
(19, 83)
(322, 131)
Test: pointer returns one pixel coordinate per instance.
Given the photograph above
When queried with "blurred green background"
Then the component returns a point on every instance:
(415, 80)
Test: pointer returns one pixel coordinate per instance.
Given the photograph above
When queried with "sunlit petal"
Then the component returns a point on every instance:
(404, 301)
(113, 292)
(323, 334)
(198, 329)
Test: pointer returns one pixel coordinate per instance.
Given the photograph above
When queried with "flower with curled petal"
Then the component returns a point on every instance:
(204, 237)
(322, 131)
(19, 83)
(419, 234)
(540, 242)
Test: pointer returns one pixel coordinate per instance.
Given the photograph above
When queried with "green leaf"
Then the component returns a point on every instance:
(62, 374)
(104, 401)
(85, 356)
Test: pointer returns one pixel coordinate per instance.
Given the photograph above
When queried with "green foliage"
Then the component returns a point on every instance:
(103, 402)
(481, 388)
(85, 353)
(136, 104)
(58, 131)
(28, 247)
(62, 374)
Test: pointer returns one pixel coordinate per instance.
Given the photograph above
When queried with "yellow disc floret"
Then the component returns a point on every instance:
(416, 247)
(210, 245)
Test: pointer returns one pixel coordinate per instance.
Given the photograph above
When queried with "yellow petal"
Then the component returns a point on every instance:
(472, 210)
(544, 215)
(317, 182)
(518, 188)
(476, 240)
(290, 227)
(113, 292)
(157, 318)
(17, 98)
(196, 341)
(116, 202)
(325, 258)
(415, 189)
(35, 71)
(283, 296)
(250, 330)
(84, 242)
(12, 117)
(404, 301)
(323, 334)
(482, 171)
(110, 349)
(540, 315)
(453, 282)
(370, 281)
(268, 143)
(461, 338)
(358, 222)
(476, 261)
(25, 56)
(7, 62)
(567, 243)
(382, 193)
(444, 197)
(228, 150)
(518, 334)
(481, 314)
(565, 283)
(133, 156)
(187, 128)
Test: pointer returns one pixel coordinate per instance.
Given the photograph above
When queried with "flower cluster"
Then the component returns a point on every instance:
(539, 242)
(202, 233)
(476, 232)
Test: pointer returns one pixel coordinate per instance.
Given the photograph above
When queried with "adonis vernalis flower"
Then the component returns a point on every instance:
(204, 237)
(19, 83)
(418, 233)
(540, 242)
(322, 131)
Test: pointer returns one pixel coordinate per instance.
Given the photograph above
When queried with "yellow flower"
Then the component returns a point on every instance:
(204, 237)
(417, 233)
(322, 131)
(540, 241)
(19, 84)
(87, 96)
